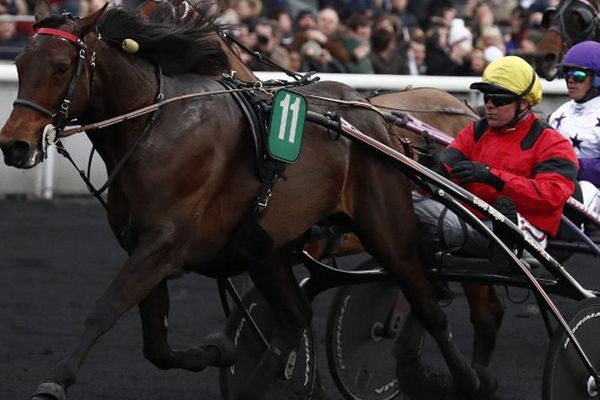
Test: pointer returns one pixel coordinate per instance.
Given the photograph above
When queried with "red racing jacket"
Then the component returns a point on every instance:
(536, 163)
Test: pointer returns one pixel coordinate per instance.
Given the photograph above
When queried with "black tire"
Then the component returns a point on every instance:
(249, 351)
(565, 376)
(365, 320)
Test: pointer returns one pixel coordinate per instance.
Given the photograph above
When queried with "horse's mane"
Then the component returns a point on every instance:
(190, 47)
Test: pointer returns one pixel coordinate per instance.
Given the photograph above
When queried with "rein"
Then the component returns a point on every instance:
(148, 109)
(451, 111)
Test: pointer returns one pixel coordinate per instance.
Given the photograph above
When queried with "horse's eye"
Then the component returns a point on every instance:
(62, 68)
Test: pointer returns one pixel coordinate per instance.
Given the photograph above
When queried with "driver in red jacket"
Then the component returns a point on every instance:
(510, 159)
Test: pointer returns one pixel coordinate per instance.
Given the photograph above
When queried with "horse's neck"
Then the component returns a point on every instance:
(242, 71)
(122, 84)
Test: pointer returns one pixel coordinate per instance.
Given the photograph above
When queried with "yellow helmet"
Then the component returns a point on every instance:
(511, 74)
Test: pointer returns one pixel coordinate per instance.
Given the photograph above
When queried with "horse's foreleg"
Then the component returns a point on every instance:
(148, 265)
(486, 317)
(216, 349)
(292, 314)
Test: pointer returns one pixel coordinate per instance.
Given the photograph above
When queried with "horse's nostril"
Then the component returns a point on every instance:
(15, 150)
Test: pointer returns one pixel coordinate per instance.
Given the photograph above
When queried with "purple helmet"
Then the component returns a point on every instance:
(584, 55)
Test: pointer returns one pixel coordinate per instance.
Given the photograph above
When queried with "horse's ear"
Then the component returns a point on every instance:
(87, 23)
(42, 10)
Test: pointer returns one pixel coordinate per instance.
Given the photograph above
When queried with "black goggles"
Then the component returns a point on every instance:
(499, 99)
(578, 75)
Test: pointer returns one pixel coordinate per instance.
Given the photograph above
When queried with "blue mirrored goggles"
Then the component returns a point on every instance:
(578, 75)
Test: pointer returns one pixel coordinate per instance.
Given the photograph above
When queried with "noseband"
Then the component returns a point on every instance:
(61, 115)
(589, 32)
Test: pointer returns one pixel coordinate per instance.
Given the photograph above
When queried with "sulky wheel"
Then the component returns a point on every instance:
(565, 376)
(250, 349)
(364, 323)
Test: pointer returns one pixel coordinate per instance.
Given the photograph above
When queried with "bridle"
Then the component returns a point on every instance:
(61, 115)
(590, 32)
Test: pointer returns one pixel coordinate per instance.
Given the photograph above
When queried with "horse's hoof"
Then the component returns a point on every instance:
(49, 391)
(487, 382)
(468, 383)
(224, 346)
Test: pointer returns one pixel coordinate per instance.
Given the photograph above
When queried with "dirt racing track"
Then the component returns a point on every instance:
(56, 258)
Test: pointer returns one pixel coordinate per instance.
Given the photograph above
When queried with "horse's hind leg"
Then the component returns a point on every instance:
(216, 349)
(486, 317)
(386, 226)
(292, 314)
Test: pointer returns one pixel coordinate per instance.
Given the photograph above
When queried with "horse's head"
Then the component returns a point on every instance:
(573, 21)
(53, 71)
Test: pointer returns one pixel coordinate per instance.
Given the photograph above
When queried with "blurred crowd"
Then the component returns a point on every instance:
(410, 37)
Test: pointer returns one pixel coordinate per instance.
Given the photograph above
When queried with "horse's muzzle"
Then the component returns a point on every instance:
(546, 65)
(20, 154)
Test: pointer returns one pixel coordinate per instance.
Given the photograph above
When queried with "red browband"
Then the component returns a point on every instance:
(58, 32)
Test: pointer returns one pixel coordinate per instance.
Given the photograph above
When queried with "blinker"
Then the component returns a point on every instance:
(548, 17)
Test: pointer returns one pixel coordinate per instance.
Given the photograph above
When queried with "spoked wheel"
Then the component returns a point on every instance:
(565, 376)
(365, 321)
(302, 379)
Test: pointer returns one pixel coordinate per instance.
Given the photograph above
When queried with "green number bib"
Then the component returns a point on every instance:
(287, 124)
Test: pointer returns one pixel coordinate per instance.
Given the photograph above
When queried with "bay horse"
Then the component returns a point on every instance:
(437, 108)
(573, 21)
(187, 182)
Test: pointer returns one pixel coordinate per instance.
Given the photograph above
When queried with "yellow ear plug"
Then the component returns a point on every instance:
(130, 46)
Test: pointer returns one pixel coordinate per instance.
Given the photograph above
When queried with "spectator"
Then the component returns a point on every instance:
(483, 18)
(328, 23)
(477, 63)
(345, 8)
(416, 56)
(492, 36)
(305, 20)
(384, 57)
(238, 11)
(517, 29)
(444, 10)
(502, 10)
(12, 37)
(328, 35)
(408, 19)
(248, 39)
(295, 61)
(460, 40)
(358, 45)
(283, 26)
(401, 34)
(437, 58)
(11, 40)
(267, 45)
